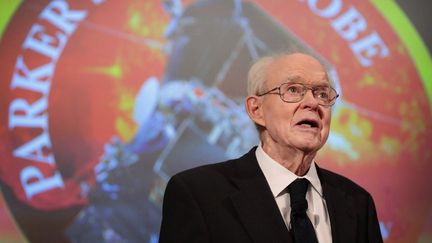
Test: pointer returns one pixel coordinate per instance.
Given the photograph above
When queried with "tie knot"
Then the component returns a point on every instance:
(297, 191)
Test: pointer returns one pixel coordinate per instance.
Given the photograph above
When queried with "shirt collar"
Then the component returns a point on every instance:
(279, 177)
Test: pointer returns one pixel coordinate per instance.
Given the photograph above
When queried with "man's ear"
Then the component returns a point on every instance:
(254, 109)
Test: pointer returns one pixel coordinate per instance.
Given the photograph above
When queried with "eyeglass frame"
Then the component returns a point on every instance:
(306, 87)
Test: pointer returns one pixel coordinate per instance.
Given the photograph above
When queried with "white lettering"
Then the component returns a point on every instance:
(37, 149)
(23, 114)
(32, 79)
(352, 27)
(30, 113)
(368, 47)
(46, 45)
(34, 182)
(328, 12)
(58, 14)
(350, 24)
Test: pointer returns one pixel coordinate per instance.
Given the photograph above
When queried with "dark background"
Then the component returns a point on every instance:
(420, 14)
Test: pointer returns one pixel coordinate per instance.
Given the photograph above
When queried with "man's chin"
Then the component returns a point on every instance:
(309, 146)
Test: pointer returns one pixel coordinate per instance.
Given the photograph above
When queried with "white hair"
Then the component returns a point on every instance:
(257, 75)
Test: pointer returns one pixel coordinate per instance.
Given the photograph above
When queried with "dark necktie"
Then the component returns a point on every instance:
(301, 227)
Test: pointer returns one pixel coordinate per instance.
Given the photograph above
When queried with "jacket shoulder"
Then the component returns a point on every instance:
(206, 174)
(342, 182)
(219, 172)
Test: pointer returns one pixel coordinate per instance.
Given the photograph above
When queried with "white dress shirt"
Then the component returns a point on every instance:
(278, 178)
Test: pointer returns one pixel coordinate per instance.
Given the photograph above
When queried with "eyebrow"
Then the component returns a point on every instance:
(294, 78)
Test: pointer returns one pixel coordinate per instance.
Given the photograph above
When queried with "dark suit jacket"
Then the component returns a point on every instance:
(232, 202)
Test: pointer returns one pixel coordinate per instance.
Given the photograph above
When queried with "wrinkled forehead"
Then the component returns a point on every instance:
(295, 78)
(298, 68)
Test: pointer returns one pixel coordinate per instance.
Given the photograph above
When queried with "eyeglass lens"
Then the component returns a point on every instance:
(295, 92)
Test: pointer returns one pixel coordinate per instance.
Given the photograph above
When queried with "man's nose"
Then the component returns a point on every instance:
(309, 100)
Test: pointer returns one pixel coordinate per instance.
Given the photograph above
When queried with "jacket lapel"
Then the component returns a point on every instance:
(340, 207)
(260, 214)
(255, 204)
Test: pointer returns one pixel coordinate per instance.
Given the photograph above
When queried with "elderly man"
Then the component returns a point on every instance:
(275, 192)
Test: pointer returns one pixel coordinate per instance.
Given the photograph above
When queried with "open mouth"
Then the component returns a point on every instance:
(308, 123)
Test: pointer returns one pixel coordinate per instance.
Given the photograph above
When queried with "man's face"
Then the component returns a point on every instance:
(303, 125)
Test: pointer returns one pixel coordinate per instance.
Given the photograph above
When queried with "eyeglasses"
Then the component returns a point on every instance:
(295, 92)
